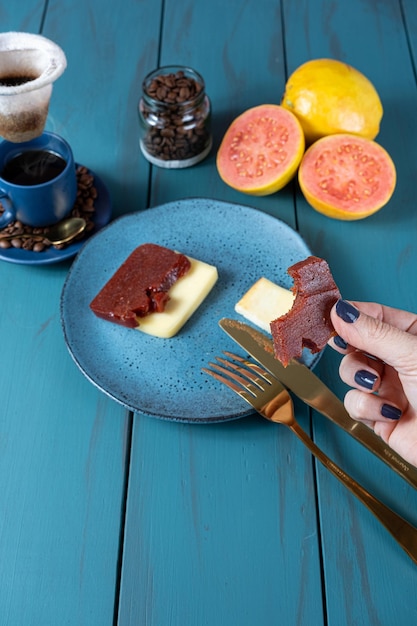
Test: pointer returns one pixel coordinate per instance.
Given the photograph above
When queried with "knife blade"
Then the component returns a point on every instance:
(309, 388)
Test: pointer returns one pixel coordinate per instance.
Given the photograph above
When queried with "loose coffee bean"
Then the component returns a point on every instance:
(173, 108)
(84, 206)
(39, 246)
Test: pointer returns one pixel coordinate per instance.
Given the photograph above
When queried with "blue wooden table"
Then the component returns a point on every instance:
(111, 517)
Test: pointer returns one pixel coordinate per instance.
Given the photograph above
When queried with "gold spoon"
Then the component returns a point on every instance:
(59, 233)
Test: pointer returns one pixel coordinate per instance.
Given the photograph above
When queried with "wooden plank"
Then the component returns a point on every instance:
(61, 466)
(410, 23)
(22, 16)
(220, 522)
(63, 443)
(245, 68)
(373, 259)
(220, 526)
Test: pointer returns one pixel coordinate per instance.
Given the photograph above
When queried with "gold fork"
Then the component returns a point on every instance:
(271, 399)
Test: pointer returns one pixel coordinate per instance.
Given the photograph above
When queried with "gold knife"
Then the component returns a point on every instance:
(309, 388)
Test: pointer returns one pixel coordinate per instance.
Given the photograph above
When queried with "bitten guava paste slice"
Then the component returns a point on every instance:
(307, 323)
(140, 286)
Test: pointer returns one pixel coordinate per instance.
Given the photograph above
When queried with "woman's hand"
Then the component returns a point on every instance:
(380, 363)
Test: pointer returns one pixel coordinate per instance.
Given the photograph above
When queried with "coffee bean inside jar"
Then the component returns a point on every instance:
(174, 115)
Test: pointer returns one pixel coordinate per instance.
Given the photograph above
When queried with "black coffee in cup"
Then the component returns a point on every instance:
(14, 81)
(33, 167)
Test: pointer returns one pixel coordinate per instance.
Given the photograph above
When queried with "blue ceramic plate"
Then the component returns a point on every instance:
(52, 255)
(163, 377)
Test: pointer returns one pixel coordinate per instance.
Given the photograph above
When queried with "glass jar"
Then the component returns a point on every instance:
(174, 117)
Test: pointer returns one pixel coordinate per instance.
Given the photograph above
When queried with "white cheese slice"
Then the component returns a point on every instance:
(264, 302)
(185, 295)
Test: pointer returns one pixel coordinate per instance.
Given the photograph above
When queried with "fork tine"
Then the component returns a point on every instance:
(247, 373)
(247, 392)
(243, 384)
(253, 366)
(265, 396)
(226, 381)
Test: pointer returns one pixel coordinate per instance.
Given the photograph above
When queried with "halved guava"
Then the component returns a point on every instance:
(347, 177)
(261, 150)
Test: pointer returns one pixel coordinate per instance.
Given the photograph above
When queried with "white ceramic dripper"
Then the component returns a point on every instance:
(35, 62)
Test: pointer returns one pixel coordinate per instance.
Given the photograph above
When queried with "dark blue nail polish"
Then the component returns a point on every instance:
(340, 343)
(346, 311)
(391, 412)
(365, 379)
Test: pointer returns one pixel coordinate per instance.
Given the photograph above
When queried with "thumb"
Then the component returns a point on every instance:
(395, 347)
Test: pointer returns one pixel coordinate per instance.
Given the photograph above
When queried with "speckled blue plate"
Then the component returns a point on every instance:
(162, 377)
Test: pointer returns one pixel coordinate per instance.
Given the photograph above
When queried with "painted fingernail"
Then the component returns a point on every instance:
(365, 379)
(346, 311)
(340, 343)
(391, 412)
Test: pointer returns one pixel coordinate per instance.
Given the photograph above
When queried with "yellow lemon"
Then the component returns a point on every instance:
(330, 97)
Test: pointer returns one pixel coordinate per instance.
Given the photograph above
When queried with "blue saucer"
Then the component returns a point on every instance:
(52, 255)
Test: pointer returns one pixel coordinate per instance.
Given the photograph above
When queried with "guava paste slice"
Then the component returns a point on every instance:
(140, 286)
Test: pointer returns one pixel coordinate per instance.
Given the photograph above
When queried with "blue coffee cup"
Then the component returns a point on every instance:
(38, 182)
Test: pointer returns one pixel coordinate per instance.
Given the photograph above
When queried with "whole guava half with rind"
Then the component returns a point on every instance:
(261, 150)
(347, 177)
